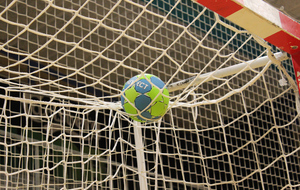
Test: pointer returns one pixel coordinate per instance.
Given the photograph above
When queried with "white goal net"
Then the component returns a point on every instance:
(63, 65)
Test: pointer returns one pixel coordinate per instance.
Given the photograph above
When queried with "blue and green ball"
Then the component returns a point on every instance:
(145, 98)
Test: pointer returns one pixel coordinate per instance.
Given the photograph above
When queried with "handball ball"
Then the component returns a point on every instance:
(145, 98)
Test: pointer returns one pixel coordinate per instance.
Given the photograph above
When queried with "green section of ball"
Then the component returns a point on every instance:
(153, 93)
(158, 109)
(160, 103)
(129, 108)
(131, 94)
(166, 96)
(166, 93)
(148, 76)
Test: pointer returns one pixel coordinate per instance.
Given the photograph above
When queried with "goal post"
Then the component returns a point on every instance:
(263, 20)
(231, 68)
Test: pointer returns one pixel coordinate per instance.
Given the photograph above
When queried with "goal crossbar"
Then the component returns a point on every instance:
(224, 72)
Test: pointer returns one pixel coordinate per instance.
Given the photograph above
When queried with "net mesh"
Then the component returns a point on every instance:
(63, 65)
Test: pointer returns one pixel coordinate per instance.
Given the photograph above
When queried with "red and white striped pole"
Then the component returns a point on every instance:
(265, 21)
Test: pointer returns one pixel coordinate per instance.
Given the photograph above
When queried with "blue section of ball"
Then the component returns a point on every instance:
(157, 117)
(145, 114)
(157, 82)
(141, 102)
(143, 86)
(140, 118)
(129, 82)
